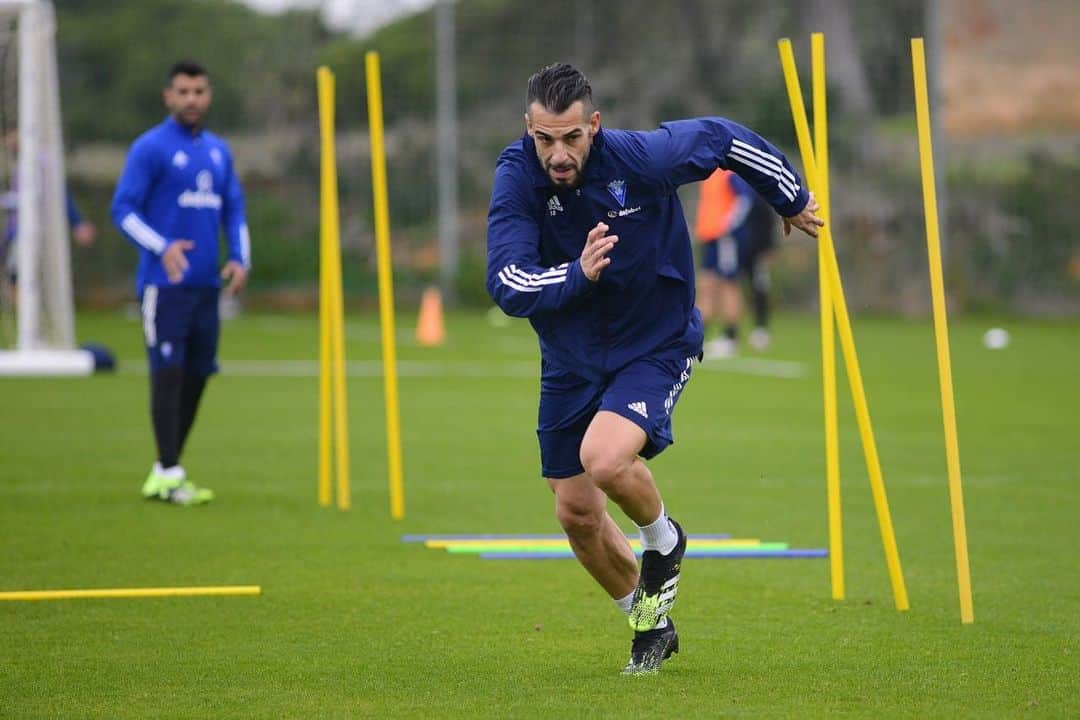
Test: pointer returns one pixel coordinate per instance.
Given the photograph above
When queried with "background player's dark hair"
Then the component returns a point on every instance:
(185, 67)
(557, 87)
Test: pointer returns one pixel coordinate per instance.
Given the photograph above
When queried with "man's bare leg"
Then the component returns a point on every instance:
(707, 298)
(598, 543)
(731, 303)
(609, 452)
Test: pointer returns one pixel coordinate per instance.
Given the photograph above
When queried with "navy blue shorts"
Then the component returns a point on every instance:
(644, 392)
(733, 254)
(181, 328)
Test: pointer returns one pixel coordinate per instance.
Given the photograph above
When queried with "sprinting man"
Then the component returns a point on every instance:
(587, 239)
(178, 190)
(735, 227)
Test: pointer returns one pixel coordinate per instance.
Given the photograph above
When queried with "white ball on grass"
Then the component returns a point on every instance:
(996, 339)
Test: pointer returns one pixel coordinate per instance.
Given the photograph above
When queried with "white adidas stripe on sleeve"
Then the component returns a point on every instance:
(766, 164)
(143, 234)
(769, 159)
(522, 281)
(245, 246)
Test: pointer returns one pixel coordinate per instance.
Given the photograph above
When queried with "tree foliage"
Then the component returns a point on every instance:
(113, 58)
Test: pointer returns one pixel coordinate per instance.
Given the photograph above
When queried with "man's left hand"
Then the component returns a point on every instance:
(807, 220)
(236, 274)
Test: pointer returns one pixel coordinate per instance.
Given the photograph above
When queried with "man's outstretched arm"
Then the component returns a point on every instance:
(685, 151)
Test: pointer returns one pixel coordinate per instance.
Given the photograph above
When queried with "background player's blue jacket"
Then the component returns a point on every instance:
(10, 202)
(644, 300)
(177, 185)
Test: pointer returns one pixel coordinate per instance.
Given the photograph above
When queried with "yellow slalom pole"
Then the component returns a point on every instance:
(325, 83)
(941, 331)
(847, 340)
(337, 335)
(333, 408)
(386, 284)
(341, 406)
(130, 592)
(828, 334)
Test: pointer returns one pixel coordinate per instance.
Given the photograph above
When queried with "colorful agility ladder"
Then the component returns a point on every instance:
(556, 547)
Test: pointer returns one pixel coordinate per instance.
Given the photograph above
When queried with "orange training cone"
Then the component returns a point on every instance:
(430, 330)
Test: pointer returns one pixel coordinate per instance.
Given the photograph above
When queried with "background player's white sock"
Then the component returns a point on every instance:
(659, 535)
(176, 472)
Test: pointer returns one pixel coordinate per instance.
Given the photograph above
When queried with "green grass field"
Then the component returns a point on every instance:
(354, 623)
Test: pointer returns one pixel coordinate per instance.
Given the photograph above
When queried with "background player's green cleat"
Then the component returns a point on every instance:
(157, 486)
(189, 494)
(174, 488)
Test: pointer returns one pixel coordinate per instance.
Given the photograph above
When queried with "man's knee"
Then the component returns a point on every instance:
(604, 465)
(579, 513)
(578, 520)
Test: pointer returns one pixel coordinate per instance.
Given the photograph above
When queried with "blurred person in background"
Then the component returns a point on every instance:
(83, 232)
(735, 227)
(178, 191)
(587, 239)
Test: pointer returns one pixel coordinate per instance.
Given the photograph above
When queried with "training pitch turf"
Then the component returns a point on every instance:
(353, 622)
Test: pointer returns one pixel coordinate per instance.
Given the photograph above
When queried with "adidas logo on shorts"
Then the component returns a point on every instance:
(640, 408)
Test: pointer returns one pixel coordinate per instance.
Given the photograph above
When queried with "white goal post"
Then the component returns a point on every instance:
(45, 343)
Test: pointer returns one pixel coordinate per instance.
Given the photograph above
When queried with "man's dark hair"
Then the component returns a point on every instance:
(185, 67)
(557, 87)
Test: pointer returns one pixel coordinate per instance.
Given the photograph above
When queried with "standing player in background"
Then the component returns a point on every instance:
(587, 239)
(735, 226)
(177, 192)
(83, 232)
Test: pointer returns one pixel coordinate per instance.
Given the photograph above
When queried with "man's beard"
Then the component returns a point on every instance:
(184, 117)
(571, 181)
(577, 177)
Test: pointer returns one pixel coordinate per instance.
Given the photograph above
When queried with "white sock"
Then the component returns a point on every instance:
(176, 472)
(659, 534)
